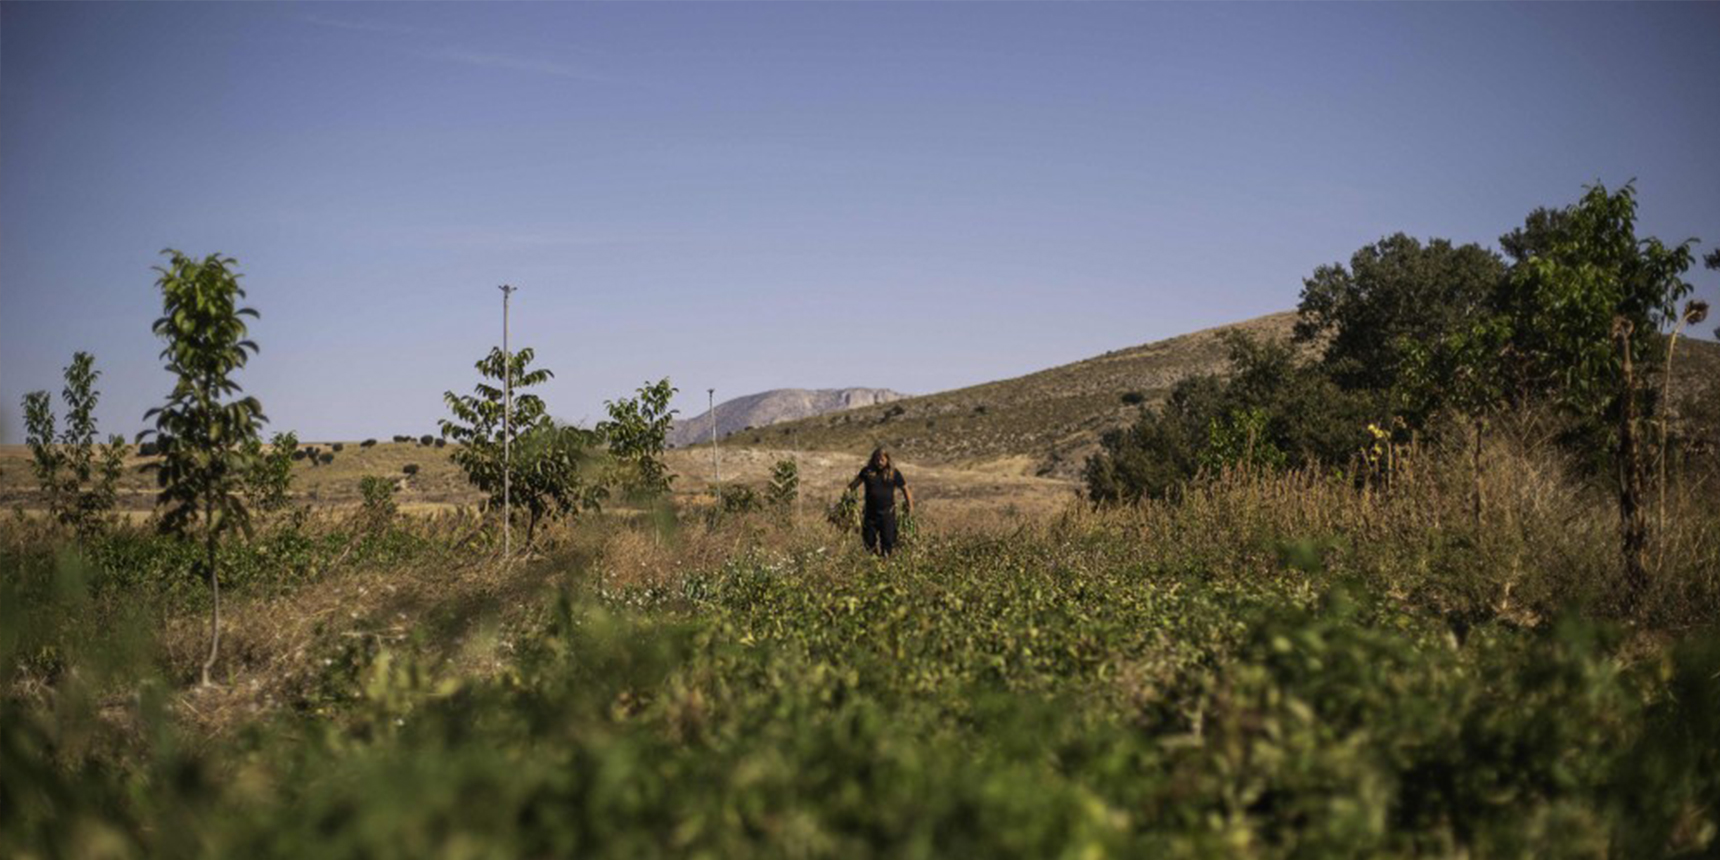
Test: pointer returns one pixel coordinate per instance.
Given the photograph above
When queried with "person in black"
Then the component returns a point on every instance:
(878, 523)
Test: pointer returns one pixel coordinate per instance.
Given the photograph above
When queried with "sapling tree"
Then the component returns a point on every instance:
(203, 430)
(270, 478)
(77, 476)
(1597, 300)
(1463, 371)
(637, 433)
(784, 485)
(550, 463)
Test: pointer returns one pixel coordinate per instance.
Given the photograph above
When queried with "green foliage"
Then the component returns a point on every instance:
(560, 469)
(1396, 292)
(738, 499)
(844, 513)
(637, 432)
(1270, 410)
(269, 484)
(77, 477)
(1239, 438)
(784, 486)
(378, 495)
(1042, 695)
(204, 428)
(1564, 303)
(553, 467)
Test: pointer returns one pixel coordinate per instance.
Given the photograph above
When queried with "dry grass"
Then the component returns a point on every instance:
(1546, 541)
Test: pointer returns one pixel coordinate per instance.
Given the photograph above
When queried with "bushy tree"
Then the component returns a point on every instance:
(637, 432)
(203, 429)
(551, 468)
(1269, 410)
(78, 477)
(1395, 291)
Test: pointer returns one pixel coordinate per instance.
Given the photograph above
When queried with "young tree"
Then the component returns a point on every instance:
(270, 479)
(77, 476)
(549, 462)
(1463, 371)
(204, 427)
(784, 485)
(1594, 304)
(637, 432)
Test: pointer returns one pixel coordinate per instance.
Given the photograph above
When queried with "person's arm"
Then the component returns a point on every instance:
(909, 495)
(856, 482)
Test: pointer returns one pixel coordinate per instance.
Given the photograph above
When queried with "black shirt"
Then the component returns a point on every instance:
(880, 490)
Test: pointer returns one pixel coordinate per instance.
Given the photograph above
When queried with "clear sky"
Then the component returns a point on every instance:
(743, 196)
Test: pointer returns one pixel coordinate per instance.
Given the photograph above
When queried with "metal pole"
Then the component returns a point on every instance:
(716, 469)
(507, 430)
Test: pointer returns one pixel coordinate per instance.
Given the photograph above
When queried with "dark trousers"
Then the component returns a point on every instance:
(878, 530)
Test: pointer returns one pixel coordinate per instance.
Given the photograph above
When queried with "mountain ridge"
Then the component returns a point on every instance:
(765, 408)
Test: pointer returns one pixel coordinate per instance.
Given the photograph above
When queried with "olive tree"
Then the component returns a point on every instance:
(203, 430)
(77, 477)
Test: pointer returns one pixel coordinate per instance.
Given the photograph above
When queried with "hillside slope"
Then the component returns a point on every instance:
(1047, 423)
(1044, 423)
(772, 407)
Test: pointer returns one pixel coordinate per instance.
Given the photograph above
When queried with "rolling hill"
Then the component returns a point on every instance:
(1044, 423)
(1047, 423)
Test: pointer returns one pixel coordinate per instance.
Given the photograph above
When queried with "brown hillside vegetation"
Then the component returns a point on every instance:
(1047, 423)
(1044, 423)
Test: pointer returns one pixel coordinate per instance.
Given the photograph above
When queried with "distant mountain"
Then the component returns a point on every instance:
(769, 407)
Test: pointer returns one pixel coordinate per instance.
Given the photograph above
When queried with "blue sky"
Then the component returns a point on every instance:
(750, 196)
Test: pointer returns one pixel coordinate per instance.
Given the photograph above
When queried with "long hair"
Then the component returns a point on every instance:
(880, 462)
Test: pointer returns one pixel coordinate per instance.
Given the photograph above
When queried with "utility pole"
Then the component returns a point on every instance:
(716, 469)
(507, 429)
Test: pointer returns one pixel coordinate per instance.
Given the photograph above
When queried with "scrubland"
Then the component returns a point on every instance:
(1266, 664)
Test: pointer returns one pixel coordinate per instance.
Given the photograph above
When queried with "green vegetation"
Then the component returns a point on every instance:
(784, 487)
(1273, 666)
(637, 433)
(203, 430)
(76, 476)
(1358, 605)
(270, 481)
(547, 463)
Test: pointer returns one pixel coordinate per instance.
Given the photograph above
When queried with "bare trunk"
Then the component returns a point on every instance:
(215, 593)
(1665, 405)
(1479, 427)
(1633, 525)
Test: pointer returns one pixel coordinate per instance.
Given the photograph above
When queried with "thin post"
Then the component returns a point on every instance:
(716, 468)
(507, 429)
